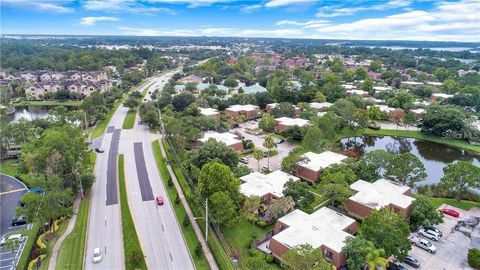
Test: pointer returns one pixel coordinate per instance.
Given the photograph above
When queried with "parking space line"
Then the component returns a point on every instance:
(12, 191)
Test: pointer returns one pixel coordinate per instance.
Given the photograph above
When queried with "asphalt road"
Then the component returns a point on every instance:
(158, 230)
(11, 190)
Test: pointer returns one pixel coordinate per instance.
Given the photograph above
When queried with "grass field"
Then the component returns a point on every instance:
(32, 233)
(74, 103)
(102, 126)
(188, 232)
(131, 244)
(9, 167)
(129, 120)
(72, 250)
(465, 205)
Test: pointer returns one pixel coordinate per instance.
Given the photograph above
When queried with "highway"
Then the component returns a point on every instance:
(157, 228)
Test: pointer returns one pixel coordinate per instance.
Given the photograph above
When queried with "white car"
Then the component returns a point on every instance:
(422, 243)
(430, 234)
(97, 255)
(12, 237)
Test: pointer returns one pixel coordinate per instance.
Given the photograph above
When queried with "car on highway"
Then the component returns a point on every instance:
(243, 160)
(435, 229)
(423, 243)
(20, 220)
(450, 212)
(159, 200)
(99, 150)
(97, 255)
(12, 237)
(395, 266)
(412, 261)
(432, 235)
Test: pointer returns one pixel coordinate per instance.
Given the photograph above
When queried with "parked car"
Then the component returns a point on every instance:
(412, 261)
(435, 229)
(450, 212)
(422, 243)
(159, 200)
(99, 150)
(432, 235)
(12, 237)
(20, 220)
(97, 255)
(243, 160)
(281, 141)
(395, 266)
(36, 190)
(265, 154)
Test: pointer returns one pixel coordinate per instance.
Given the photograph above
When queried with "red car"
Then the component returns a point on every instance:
(159, 200)
(450, 212)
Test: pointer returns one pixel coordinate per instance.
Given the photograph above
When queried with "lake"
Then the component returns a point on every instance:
(33, 112)
(433, 155)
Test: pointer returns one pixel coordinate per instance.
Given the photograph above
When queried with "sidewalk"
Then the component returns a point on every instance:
(71, 223)
(196, 228)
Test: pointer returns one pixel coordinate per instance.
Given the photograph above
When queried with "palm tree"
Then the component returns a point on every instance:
(375, 260)
(258, 155)
(12, 245)
(269, 143)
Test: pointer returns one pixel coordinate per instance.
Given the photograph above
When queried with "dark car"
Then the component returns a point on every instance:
(414, 262)
(99, 150)
(394, 266)
(20, 220)
(281, 141)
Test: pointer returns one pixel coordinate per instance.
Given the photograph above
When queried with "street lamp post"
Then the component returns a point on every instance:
(206, 220)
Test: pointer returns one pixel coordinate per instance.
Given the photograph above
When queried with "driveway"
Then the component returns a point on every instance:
(275, 161)
(11, 190)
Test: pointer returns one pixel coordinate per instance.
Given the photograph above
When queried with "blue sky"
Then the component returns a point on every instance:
(348, 19)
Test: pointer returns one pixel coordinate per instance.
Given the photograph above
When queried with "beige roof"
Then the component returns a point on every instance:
(287, 121)
(321, 228)
(380, 193)
(258, 184)
(316, 162)
(208, 111)
(226, 137)
(239, 108)
(318, 106)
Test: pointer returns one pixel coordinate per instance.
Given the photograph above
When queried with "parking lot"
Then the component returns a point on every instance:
(452, 247)
(7, 256)
(275, 161)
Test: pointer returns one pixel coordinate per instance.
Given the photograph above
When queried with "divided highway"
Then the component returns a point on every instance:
(158, 230)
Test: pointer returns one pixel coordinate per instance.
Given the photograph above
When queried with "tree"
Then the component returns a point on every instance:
(213, 151)
(150, 115)
(360, 74)
(299, 191)
(367, 85)
(284, 109)
(402, 100)
(314, 140)
(345, 109)
(305, 257)
(258, 155)
(223, 208)
(473, 257)
(441, 120)
(374, 113)
(251, 205)
(387, 230)
(216, 177)
(131, 102)
(378, 159)
(450, 86)
(280, 207)
(441, 73)
(424, 213)
(375, 66)
(181, 101)
(356, 249)
(267, 123)
(319, 97)
(376, 259)
(270, 144)
(335, 188)
(405, 168)
(461, 176)
(257, 261)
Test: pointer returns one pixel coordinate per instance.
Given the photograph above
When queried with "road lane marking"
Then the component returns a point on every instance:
(12, 191)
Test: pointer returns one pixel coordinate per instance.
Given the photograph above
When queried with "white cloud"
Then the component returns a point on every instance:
(250, 8)
(336, 11)
(93, 20)
(306, 24)
(281, 3)
(56, 6)
(192, 3)
(130, 6)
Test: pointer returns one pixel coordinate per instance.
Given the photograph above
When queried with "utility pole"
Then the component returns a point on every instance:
(206, 220)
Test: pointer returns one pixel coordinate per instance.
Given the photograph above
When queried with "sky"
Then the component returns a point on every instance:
(320, 19)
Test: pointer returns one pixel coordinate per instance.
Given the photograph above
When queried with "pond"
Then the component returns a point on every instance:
(434, 156)
(31, 112)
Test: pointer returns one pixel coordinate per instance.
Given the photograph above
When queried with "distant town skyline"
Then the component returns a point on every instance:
(366, 20)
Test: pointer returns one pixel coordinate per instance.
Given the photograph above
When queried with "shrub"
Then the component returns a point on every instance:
(262, 224)
(170, 182)
(135, 258)
(198, 250)
(474, 258)
(177, 199)
(269, 258)
(186, 221)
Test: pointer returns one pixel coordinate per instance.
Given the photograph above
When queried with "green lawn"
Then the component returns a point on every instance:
(129, 120)
(465, 205)
(221, 257)
(74, 103)
(131, 244)
(72, 250)
(101, 126)
(32, 233)
(188, 232)
(9, 167)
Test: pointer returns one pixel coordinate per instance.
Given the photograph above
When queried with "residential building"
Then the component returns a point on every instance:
(439, 96)
(248, 110)
(192, 79)
(320, 107)
(379, 194)
(253, 89)
(209, 112)
(284, 123)
(266, 186)
(357, 92)
(270, 107)
(325, 229)
(309, 168)
(229, 139)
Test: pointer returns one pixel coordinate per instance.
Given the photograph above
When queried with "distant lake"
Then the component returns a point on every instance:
(434, 156)
(32, 112)
(446, 49)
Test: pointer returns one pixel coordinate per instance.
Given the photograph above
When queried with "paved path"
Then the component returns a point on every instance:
(71, 224)
(392, 126)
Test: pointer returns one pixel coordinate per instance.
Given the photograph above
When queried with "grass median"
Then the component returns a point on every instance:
(129, 120)
(72, 103)
(101, 126)
(188, 232)
(134, 257)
